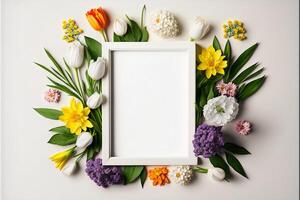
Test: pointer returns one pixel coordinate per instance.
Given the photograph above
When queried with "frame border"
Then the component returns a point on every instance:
(107, 50)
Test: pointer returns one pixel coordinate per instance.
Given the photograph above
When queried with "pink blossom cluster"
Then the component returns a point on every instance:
(243, 127)
(52, 95)
(228, 89)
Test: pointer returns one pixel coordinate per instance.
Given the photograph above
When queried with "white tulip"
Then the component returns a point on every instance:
(69, 168)
(76, 55)
(216, 174)
(120, 27)
(84, 140)
(199, 29)
(95, 100)
(97, 69)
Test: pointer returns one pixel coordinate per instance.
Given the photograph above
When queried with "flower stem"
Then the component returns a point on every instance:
(79, 82)
(200, 170)
(104, 35)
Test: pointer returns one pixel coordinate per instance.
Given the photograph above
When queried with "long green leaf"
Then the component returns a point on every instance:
(57, 65)
(236, 149)
(64, 88)
(60, 129)
(49, 113)
(94, 47)
(244, 74)
(131, 173)
(241, 61)
(251, 88)
(216, 44)
(227, 51)
(235, 164)
(63, 139)
(255, 74)
(143, 176)
(218, 161)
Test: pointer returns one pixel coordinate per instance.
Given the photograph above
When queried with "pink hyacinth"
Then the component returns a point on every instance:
(228, 89)
(52, 95)
(243, 127)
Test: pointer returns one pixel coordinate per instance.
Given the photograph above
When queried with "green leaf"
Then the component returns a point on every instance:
(49, 113)
(211, 93)
(216, 44)
(94, 47)
(241, 61)
(235, 149)
(131, 173)
(136, 30)
(129, 35)
(57, 65)
(145, 35)
(95, 147)
(117, 38)
(143, 176)
(258, 72)
(203, 98)
(61, 129)
(63, 139)
(251, 88)
(235, 164)
(227, 51)
(218, 161)
(244, 74)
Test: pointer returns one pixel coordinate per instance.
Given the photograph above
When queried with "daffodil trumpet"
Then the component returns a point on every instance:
(61, 158)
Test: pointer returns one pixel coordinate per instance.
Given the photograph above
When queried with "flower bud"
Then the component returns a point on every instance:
(76, 55)
(94, 101)
(97, 69)
(84, 140)
(120, 27)
(199, 29)
(216, 174)
(70, 168)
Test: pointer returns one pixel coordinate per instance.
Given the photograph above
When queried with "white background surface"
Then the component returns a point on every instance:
(30, 25)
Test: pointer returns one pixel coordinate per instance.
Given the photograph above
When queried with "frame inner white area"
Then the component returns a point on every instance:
(150, 104)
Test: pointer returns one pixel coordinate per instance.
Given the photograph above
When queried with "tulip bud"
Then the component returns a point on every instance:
(120, 27)
(76, 55)
(199, 29)
(94, 101)
(216, 174)
(84, 140)
(97, 69)
(70, 168)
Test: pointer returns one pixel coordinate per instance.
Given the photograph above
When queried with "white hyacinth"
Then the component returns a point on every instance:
(164, 24)
(182, 174)
(220, 110)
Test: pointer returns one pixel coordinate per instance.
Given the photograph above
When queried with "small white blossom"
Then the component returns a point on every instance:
(164, 24)
(182, 174)
(220, 110)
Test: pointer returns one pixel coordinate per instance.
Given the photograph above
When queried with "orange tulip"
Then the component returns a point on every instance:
(98, 19)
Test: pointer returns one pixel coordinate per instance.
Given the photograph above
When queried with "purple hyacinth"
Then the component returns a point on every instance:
(103, 175)
(208, 140)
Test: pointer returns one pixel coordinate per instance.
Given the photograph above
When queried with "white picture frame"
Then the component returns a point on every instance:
(149, 114)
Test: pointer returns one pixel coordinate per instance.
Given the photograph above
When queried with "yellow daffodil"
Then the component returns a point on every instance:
(76, 117)
(212, 62)
(61, 158)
